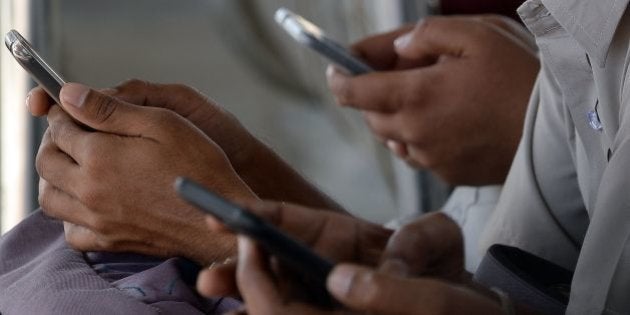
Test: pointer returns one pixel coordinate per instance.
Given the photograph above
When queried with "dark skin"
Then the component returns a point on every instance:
(416, 270)
(464, 127)
(420, 270)
(143, 126)
(105, 184)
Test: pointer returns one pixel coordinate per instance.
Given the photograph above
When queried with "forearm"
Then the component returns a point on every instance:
(272, 178)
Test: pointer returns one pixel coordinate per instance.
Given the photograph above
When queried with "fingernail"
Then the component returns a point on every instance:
(341, 279)
(403, 41)
(74, 94)
(391, 145)
(330, 71)
(244, 246)
(28, 100)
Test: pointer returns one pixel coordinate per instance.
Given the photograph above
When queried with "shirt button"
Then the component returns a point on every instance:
(593, 120)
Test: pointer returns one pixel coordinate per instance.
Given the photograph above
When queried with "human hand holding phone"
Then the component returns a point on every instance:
(428, 104)
(310, 35)
(34, 64)
(430, 246)
(304, 241)
(306, 269)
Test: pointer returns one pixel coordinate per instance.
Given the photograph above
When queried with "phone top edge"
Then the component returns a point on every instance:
(11, 37)
(22, 50)
(297, 26)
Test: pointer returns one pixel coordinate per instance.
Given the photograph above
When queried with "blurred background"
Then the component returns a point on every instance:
(232, 51)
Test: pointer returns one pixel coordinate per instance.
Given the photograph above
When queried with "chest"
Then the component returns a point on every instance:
(593, 99)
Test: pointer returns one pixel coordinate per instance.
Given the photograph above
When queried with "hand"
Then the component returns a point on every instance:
(335, 236)
(431, 245)
(450, 96)
(113, 185)
(257, 165)
(361, 290)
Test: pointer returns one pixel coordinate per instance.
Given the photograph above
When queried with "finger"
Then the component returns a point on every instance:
(365, 290)
(176, 97)
(378, 50)
(435, 36)
(383, 126)
(81, 238)
(60, 205)
(218, 280)
(304, 224)
(431, 244)
(377, 91)
(66, 134)
(105, 113)
(398, 148)
(57, 167)
(254, 279)
(39, 102)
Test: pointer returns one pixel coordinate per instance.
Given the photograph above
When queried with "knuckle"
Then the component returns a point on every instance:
(91, 196)
(427, 24)
(191, 94)
(133, 84)
(100, 226)
(75, 242)
(105, 243)
(162, 118)
(40, 162)
(103, 106)
(184, 89)
(343, 90)
(95, 152)
(44, 197)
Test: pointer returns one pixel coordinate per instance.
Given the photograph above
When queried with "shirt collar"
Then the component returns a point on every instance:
(592, 23)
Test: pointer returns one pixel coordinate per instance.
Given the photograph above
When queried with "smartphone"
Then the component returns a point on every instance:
(307, 33)
(34, 64)
(307, 268)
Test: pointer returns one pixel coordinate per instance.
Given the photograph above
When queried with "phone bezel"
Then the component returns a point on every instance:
(34, 64)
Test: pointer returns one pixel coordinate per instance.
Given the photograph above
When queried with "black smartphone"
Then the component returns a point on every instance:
(34, 64)
(307, 33)
(306, 267)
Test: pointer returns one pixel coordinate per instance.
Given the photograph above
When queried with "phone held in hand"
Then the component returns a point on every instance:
(34, 64)
(307, 33)
(307, 269)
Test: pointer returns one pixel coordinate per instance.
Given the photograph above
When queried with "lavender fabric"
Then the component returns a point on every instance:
(40, 274)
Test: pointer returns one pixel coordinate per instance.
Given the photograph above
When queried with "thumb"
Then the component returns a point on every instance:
(433, 37)
(100, 111)
(366, 290)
